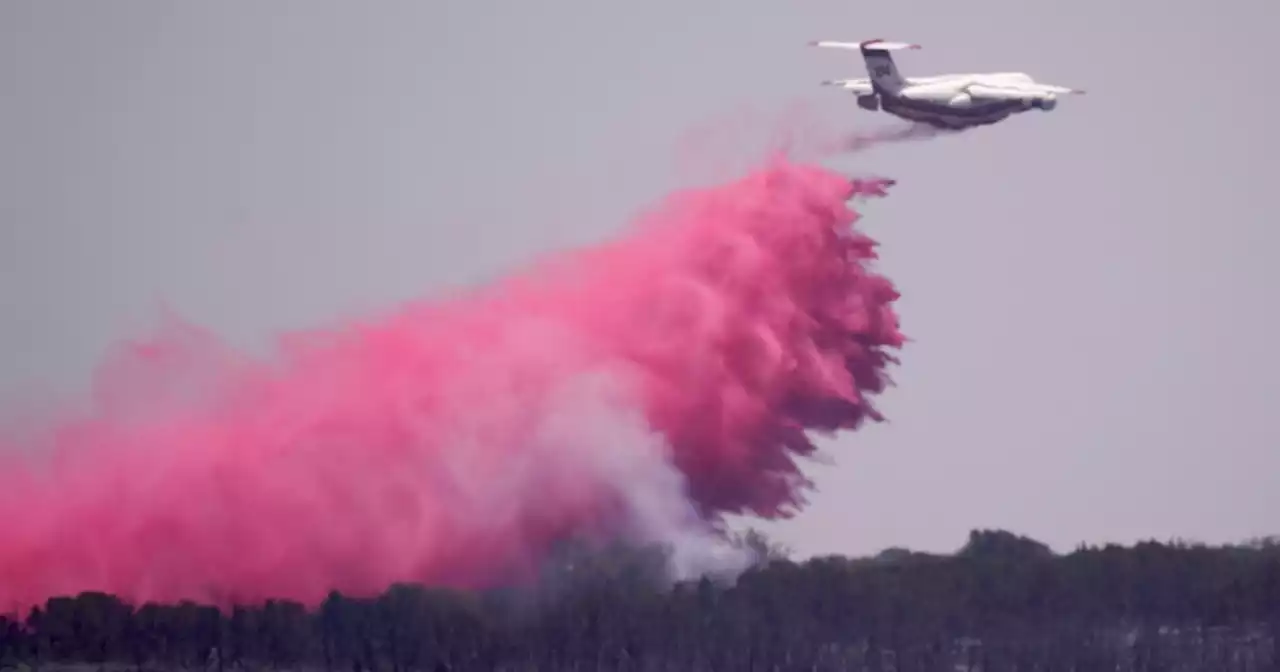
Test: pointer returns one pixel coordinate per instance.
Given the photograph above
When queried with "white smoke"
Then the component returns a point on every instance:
(596, 423)
(584, 443)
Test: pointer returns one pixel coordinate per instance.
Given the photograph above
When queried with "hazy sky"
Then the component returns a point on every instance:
(1087, 289)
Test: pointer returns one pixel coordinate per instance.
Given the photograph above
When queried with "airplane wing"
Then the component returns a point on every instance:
(1013, 92)
(989, 92)
(1053, 88)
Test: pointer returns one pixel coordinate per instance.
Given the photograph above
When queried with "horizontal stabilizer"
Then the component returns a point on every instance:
(846, 83)
(868, 45)
(859, 86)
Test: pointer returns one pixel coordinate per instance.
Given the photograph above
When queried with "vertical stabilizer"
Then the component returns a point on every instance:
(885, 77)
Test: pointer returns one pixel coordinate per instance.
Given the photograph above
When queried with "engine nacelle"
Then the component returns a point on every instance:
(1046, 103)
(960, 100)
(871, 102)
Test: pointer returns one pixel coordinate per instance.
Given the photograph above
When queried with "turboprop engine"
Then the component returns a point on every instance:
(1046, 103)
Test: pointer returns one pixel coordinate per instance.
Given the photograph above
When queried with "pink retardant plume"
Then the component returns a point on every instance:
(452, 442)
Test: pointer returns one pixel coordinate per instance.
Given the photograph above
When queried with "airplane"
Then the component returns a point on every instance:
(951, 102)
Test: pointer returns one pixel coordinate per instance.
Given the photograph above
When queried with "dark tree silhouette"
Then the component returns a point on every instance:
(1001, 602)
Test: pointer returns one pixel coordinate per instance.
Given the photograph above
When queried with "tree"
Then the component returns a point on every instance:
(1002, 600)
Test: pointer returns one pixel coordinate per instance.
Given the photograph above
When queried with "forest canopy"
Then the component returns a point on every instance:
(615, 608)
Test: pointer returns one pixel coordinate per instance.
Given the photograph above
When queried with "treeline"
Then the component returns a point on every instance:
(1000, 602)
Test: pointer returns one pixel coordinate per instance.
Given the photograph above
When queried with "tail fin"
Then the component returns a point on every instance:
(885, 77)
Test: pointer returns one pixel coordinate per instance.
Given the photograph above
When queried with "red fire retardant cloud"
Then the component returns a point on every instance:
(453, 441)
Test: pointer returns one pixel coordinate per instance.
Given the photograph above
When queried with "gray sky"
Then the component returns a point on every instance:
(1101, 270)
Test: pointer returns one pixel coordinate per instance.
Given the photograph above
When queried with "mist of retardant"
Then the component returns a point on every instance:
(634, 390)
